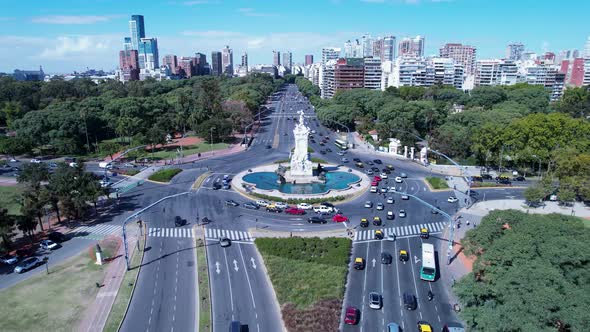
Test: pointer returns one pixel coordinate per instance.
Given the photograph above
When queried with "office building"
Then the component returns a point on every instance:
(171, 62)
(495, 72)
(574, 71)
(348, 49)
(227, 61)
(127, 44)
(586, 80)
(330, 53)
(388, 49)
(216, 67)
(265, 69)
(244, 61)
(128, 59)
(413, 47)
(276, 58)
(186, 67)
(514, 51)
(288, 60)
(461, 54)
(587, 48)
(200, 64)
(29, 75)
(308, 59)
(372, 73)
(366, 46)
(137, 30)
(349, 73)
(148, 53)
(327, 79)
(378, 48)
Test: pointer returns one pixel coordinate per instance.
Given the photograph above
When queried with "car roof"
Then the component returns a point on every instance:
(358, 259)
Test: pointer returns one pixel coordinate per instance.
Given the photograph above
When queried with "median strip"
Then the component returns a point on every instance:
(204, 305)
(199, 181)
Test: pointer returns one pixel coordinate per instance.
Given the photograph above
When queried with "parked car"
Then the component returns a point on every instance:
(339, 218)
(231, 202)
(27, 264)
(352, 316)
(294, 210)
(9, 259)
(262, 203)
(377, 178)
(57, 237)
(375, 300)
(304, 206)
(316, 220)
(250, 205)
(370, 163)
(49, 245)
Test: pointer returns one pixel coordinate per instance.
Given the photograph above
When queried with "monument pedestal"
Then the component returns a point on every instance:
(301, 179)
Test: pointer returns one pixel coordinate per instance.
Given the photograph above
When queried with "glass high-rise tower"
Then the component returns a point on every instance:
(137, 29)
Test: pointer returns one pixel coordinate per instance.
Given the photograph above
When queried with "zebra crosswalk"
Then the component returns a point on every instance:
(96, 232)
(400, 231)
(170, 232)
(215, 233)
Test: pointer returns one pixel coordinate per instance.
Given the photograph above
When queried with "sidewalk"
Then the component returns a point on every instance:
(95, 316)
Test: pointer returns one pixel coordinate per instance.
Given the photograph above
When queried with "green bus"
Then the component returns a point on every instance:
(428, 269)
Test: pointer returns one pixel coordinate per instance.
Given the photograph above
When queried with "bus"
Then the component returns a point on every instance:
(341, 144)
(428, 269)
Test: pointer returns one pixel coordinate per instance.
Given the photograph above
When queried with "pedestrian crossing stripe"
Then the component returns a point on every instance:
(410, 230)
(99, 229)
(170, 232)
(215, 233)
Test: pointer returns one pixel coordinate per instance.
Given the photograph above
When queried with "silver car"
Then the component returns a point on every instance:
(27, 264)
(375, 301)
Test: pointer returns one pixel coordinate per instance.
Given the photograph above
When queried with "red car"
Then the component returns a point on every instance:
(374, 183)
(352, 316)
(339, 218)
(377, 178)
(294, 210)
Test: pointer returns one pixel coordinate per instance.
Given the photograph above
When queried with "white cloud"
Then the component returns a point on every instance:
(64, 19)
(65, 47)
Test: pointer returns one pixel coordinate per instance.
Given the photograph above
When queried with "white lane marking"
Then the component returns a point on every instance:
(248, 277)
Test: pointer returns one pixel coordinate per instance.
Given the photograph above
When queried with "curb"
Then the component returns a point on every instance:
(199, 181)
(136, 277)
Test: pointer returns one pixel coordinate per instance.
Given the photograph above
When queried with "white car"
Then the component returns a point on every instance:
(398, 179)
(340, 153)
(9, 259)
(304, 206)
(281, 205)
(380, 206)
(383, 175)
(390, 200)
(35, 161)
(262, 203)
(323, 209)
(391, 189)
(452, 199)
(73, 164)
(13, 160)
(48, 244)
(368, 204)
(313, 131)
(405, 197)
(402, 213)
(344, 160)
(373, 189)
(404, 175)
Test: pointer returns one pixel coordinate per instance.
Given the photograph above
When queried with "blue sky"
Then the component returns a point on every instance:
(67, 35)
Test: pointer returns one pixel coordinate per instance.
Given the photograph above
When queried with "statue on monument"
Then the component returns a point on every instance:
(300, 163)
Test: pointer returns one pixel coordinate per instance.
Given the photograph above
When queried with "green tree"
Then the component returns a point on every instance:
(109, 148)
(575, 102)
(27, 224)
(6, 228)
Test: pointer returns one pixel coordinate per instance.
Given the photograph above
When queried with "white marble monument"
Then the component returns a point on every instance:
(301, 166)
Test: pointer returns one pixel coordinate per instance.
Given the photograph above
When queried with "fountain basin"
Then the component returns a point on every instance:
(335, 180)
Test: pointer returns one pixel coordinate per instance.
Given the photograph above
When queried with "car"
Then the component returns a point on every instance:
(57, 237)
(356, 160)
(9, 259)
(281, 205)
(359, 263)
(403, 175)
(328, 204)
(383, 175)
(383, 190)
(339, 218)
(250, 205)
(380, 206)
(344, 160)
(398, 179)
(316, 220)
(453, 327)
(369, 172)
(359, 165)
(386, 171)
(410, 302)
(178, 221)
(351, 317)
(391, 237)
(377, 178)
(273, 208)
(375, 300)
(328, 150)
(322, 152)
(386, 258)
(403, 255)
(322, 143)
(52, 165)
(391, 190)
(368, 204)
(377, 221)
(402, 213)
(374, 183)
(231, 202)
(294, 210)
(323, 209)
(423, 326)
(390, 215)
(35, 161)
(262, 203)
(375, 169)
(27, 264)
(390, 167)
(216, 186)
(373, 189)
(12, 160)
(104, 183)
(73, 164)
(452, 199)
(370, 163)
(424, 233)
(390, 200)
(506, 182)
(364, 222)
(377, 161)
(312, 140)
(519, 178)
(405, 197)
(224, 242)
(49, 245)
(268, 146)
(435, 211)
(378, 234)
(340, 153)
(393, 327)
(304, 206)
(313, 131)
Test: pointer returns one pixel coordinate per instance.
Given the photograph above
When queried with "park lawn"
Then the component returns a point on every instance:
(437, 183)
(167, 153)
(308, 276)
(164, 175)
(54, 302)
(9, 199)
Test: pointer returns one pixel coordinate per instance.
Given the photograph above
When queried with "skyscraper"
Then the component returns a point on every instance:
(514, 51)
(148, 53)
(128, 59)
(462, 54)
(171, 62)
(412, 46)
(378, 48)
(330, 53)
(388, 49)
(137, 29)
(227, 60)
(216, 67)
(244, 62)
(127, 45)
(348, 49)
(276, 58)
(366, 46)
(288, 60)
(200, 64)
(308, 59)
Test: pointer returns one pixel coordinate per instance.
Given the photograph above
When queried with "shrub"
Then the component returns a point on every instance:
(164, 175)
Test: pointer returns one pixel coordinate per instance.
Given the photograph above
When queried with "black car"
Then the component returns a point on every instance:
(375, 169)
(328, 150)
(322, 152)
(486, 177)
(178, 221)
(273, 209)
(250, 205)
(519, 178)
(435, 211)
(386, 171)
(357, 160)
(216, 186)
(316, 220)
(231, 202)
(368, 162)
(410, 302)
(386, 258)
(268, 146)
(378, 161)
(503, 181)
(312, 140)
(57, 237)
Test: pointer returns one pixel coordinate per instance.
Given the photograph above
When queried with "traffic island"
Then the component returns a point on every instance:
(164, 175)
(204, 300)
(308, 276)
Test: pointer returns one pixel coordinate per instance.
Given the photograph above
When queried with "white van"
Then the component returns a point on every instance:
(105, 165)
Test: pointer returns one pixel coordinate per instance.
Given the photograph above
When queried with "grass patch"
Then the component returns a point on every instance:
(477, 184)
(165, 175)
(204, 300)
(10, 199)
(437, 183)
(170, 152)
(307, 274)
(54, 302)
(132, 172)
(125, 291)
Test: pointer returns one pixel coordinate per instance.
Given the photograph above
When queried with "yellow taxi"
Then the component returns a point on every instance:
(359, 263)
(424, 233)
(379, 234)
(423, 326)
(364, 222)
(403, 255)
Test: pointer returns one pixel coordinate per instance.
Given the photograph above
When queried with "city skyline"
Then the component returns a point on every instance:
(62, 39)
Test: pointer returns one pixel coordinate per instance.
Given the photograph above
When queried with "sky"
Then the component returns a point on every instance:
(68, 35)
